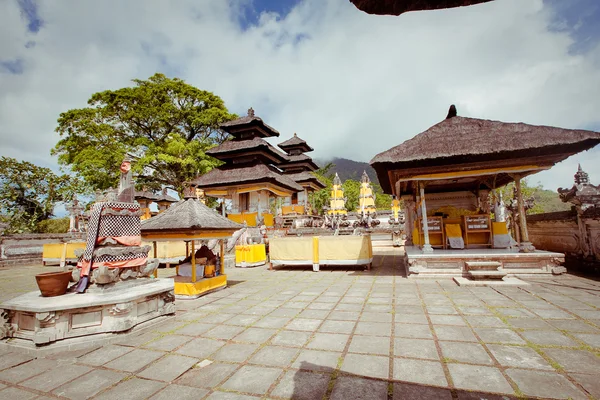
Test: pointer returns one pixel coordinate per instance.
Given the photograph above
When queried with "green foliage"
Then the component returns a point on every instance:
(351, 193)
(53, 225)
(545, 200)
(165, 124)
(28, 193)
(382, 201)
(320, 198)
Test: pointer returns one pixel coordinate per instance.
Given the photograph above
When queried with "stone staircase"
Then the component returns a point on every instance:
(485, 270)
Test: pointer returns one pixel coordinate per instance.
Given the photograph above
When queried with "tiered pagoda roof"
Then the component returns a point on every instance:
(298, 166)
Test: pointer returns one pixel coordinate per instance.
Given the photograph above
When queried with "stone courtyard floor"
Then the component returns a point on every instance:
(337, 334)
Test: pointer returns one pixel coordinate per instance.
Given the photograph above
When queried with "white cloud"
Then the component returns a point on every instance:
(349, 83)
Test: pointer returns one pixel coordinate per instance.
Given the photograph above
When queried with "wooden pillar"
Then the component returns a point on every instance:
(525, 245)
(193, 261)
(222, 255)
(426, 245)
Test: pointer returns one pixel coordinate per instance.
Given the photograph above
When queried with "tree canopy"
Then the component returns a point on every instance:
(29, 193)
(164, 124)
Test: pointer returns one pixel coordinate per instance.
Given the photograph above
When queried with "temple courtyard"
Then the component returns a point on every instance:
(338, 334)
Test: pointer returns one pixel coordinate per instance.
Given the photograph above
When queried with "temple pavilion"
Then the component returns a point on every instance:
(298, 167)
(249, 176)
(445, 176)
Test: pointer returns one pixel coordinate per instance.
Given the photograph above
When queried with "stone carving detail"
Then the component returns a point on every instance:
(169, 302)
(6, 329)
(47, 318)
(121, 308)
(104, 275)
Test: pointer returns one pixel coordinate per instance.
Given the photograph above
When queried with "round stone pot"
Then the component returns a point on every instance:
(53, 283)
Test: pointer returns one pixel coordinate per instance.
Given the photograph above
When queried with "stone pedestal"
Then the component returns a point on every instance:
(34, 322)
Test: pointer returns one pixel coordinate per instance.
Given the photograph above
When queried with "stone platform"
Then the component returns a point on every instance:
(452, 263)
(33, 322)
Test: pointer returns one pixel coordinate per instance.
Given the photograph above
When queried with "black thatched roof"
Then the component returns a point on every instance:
(295, 143)
(462, 141)
(299, 161)
(249, 123)
(397, 7)
(305, 176)
(230, 175)
(145, 195)
(188, 214)
(236, 148)
(460, 136)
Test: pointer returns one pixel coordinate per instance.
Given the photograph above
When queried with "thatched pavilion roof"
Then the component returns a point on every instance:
(188, 215)
(249, 123)
(397, 7)
(295, 143)
(305, 177)
(458, 142)
(237, 175)
(236, 148)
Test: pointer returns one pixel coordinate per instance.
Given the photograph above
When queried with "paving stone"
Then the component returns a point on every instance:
(515, 312)
(544, 384)
(348, 307)
(328, 341)
(11, 359)
(590, 339)
(475, 310)
(272, 322)
(168, 343)
(499, 335)
(284, 312)
(413, 331)
(274, 356)
(315, 360)
(13, 393)
(27, 370)
(419, 371)
(255, 335)
(195, 329)
(553, 314)
(90, 384)
(344, 315)
(207, 377)
(574, 360)
(180, 393)
(52, 379)
(217, 318)
(352, 300)
(135, 360)
(467, 352)
(411, 319)
(405, 391)
(321, 306)
(573, 326)
(223, 332)
(252, 379)
(377, 317)
(104, 355)
(291, 338)
(132, 389)
(591, 383)
(415, 348)
(477, 377)
(367, 365)
(370, 345)
(355, 388)
(549, 338)
(302, 385)
(200, 347)
(485, 321)
(530, 323)
(455, 333)
(314, 314)
(243, 320)
(442, 310)
(236, 352)
(168, 368)
(300, 305)
(337, 326)
(302, 324)
(374, 328)
(447, 320)
(519, 357)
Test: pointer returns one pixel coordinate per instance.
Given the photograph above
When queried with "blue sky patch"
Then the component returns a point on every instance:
(29, 11)
(251, 12)
(581, 18)
(15, 67)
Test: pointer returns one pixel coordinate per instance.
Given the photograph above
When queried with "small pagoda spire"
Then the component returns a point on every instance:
(295, 134)
(365, 178)
(189, 193)
(336, 180)
(452, 112)
(581, 177)
(251, 112)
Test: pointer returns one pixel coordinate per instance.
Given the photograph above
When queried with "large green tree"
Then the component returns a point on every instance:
(29, 193)
(164, 124)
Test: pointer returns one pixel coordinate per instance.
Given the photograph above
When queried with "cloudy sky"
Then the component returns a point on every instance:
(349, 83)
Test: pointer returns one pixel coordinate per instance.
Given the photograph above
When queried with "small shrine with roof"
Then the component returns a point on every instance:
(298, 167)
(250, 176)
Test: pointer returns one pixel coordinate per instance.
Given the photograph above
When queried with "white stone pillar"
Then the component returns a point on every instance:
(426, 246)
(525, 245)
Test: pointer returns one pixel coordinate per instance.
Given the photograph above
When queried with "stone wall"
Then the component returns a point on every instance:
(27, 248)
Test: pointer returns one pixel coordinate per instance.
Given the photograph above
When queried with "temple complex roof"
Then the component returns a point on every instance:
(460, 143)
(295, 143)
(257, 147)
(300, 162)
(397, 7)
(189, 214)
(235, 175)
(249, 126)
(306, 177)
